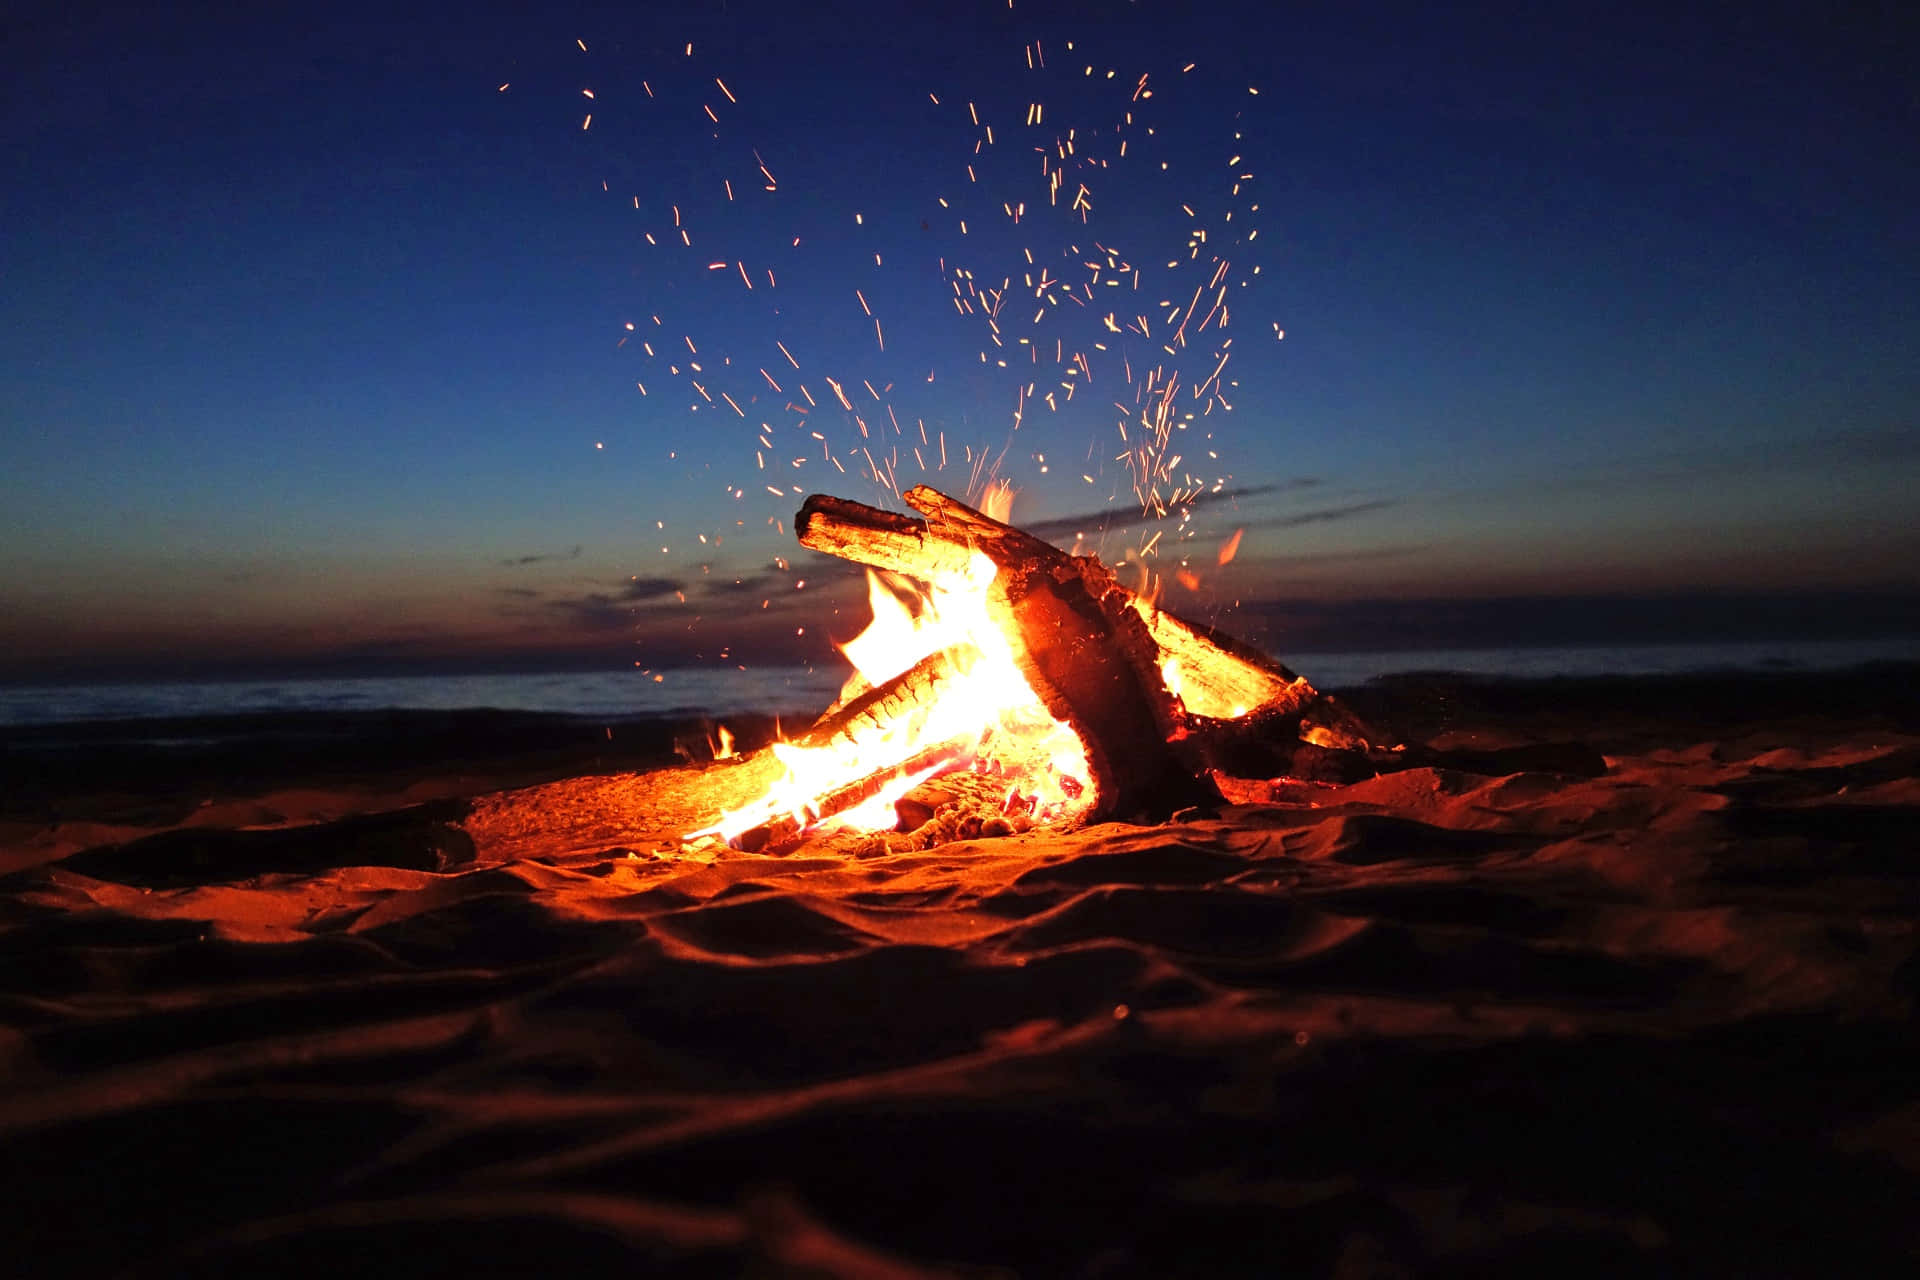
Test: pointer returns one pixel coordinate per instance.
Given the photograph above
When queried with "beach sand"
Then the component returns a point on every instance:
(1617, 978)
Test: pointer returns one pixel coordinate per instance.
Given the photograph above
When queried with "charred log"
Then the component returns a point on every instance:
(1291, 741)
(1093, 668)
(1088, 656)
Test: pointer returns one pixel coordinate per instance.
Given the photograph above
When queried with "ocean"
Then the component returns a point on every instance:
(721, 692)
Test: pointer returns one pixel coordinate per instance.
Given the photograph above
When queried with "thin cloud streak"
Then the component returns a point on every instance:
(1324, 515)
(514, 562)
(1115, 519)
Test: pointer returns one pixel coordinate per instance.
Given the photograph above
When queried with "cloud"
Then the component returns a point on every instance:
(1890, 452)
(720, 599)
(741, 586)
(606, 609)
(1313, 559)
(1116, 518)
(650, 588)
(817, 570)
(1503, 622)
(595, 611)
(1322, 515)
(513, 562)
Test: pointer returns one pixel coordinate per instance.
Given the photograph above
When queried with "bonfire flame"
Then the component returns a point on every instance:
(1082, 699)
(986, 719)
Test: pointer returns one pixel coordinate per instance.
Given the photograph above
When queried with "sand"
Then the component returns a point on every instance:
(1617, 978)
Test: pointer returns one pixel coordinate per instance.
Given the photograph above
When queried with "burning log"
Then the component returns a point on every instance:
(874, 711)
(1084, 650)
(1096, 654)
(1156, 703)
(1218, 676)
(886, 703)
(883, 539)
(779, 832)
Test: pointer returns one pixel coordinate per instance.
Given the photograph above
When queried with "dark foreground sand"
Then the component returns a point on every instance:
(1620, 980)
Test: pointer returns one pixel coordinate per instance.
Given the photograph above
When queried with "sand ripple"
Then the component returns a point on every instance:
(1654, 1015)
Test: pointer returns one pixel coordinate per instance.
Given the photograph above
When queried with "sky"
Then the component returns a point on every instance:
(387, 336)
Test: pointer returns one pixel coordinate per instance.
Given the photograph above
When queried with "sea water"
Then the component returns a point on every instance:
(1346, 670)
(593, 694)
(725, 691)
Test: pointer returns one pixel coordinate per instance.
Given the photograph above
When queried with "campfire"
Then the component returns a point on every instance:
(1013, 684)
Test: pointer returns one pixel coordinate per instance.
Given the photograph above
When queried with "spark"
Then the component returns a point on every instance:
(1071, 164)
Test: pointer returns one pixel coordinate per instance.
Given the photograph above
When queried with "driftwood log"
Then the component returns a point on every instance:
(1095, 653)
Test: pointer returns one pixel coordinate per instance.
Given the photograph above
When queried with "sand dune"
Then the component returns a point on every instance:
(1620, 990)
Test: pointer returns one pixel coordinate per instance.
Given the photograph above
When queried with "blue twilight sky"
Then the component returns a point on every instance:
(1599, 320)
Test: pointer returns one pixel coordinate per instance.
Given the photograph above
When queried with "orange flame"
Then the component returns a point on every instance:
(1230, 547)
(987, 710)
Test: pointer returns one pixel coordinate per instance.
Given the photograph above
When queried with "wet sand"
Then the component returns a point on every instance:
(1614, 977)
